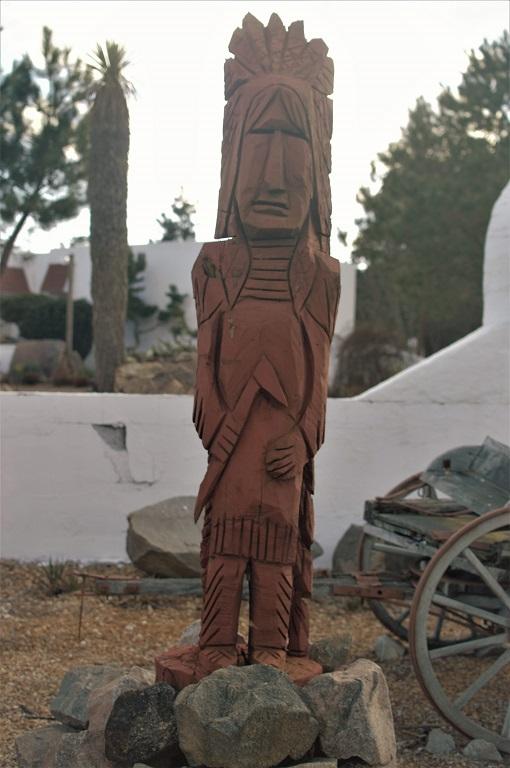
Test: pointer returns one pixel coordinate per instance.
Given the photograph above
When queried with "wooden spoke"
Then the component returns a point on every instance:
(484, 678)
(403, 616)
(467, 646)
(487, 576)
(472, 610)
(439, 626)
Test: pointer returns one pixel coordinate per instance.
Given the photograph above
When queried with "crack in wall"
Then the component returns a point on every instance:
(114, 437)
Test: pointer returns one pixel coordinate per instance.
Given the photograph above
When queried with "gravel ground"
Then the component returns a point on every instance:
(39, 643)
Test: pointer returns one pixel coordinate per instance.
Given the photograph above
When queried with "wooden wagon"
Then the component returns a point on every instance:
(434, 562)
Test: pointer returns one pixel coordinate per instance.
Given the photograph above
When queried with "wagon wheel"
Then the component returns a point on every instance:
(475, 699)
(394, 615)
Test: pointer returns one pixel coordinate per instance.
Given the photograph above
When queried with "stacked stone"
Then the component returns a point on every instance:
(238, 717)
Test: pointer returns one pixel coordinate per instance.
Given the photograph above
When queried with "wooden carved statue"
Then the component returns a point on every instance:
(266, 301)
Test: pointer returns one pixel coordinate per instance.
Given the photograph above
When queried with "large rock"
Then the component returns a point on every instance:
(36, 360)
(243, 717)
(331, 652)
(345, 556)
(37, 748)
(316, 549)
(102, 699)
(352, 706)
(318, 762)
(142, 726)
(191, 635)
(388, 649)
(355, 762)
(163, 539)
(70, 705)
(81, 750)
(482, 751)
(440, 743)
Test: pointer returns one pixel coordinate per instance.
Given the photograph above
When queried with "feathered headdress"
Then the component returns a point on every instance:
(261, 54)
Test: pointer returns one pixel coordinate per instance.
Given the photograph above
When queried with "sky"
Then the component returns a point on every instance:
(387, 53)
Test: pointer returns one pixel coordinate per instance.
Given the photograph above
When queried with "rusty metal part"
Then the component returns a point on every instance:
(410, 484)
(370, 585)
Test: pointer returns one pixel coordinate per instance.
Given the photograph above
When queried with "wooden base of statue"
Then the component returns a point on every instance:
(179, 666)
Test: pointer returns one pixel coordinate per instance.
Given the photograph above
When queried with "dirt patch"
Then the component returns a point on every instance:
(39, 643)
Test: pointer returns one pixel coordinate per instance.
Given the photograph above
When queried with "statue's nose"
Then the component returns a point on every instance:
(274, 176)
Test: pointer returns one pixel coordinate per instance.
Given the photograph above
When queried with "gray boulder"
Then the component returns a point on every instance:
(440, 743)
(36, 360)
(388, 649)
(316, 549)
(357, 763)
(142, 726)
(345, 556)
(70, 705)
(243, 717)
(102, 698)
(81, 750)
(482, 751)
(331, 652)
(163, 540)
(319, 762)
(37, 748)
(352, 706)
(191, 634)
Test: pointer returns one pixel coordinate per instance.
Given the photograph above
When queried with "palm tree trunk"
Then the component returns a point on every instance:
(107, 190)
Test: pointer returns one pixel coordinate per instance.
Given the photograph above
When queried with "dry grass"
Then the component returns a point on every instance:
(39, 644)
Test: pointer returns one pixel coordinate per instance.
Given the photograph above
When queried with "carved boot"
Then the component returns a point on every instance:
(220, 614)
(270, 601)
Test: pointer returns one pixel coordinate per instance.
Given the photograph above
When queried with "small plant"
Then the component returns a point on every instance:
(174, 315)
(56, 577)
(27, 373)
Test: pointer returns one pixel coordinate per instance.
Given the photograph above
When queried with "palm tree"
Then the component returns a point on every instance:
(107, 194)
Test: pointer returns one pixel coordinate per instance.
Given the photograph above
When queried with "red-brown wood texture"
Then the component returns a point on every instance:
(266, 302)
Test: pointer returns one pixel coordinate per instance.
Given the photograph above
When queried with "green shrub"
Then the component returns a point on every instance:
(27, 373)
(15, 307)
(57, 577)
(44, 317)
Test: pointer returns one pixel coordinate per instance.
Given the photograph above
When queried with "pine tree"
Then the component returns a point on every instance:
(423, 232)
(42, 134)
(182, 227)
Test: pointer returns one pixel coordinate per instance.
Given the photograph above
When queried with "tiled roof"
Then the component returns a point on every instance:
(14, 280)
(55, 279)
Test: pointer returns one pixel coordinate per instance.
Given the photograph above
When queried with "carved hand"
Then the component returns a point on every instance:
(286, 456)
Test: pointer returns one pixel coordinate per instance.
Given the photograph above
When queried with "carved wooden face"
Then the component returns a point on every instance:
(274, 185)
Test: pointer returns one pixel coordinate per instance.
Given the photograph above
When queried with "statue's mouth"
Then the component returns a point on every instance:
(275, 207)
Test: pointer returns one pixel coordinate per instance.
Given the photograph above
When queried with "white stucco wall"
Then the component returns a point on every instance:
(66, 494)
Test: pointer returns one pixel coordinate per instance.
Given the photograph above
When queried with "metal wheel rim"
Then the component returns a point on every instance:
(419, 649)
